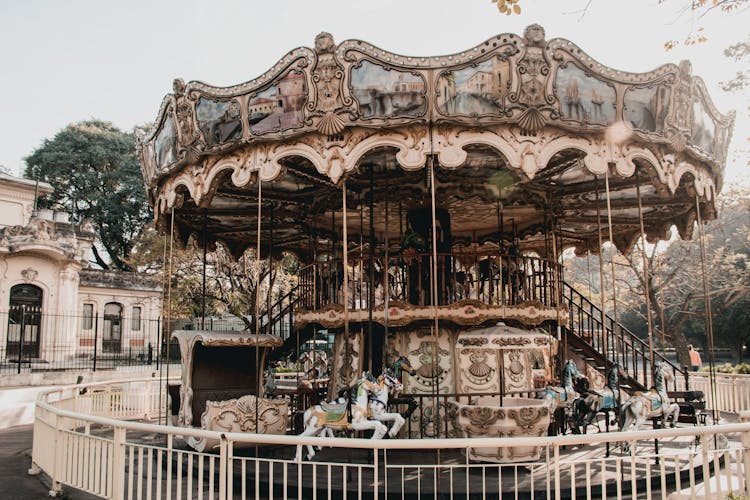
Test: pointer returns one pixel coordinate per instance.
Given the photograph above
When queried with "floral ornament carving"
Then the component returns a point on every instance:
(271, 415)
(327, 77)
(682, 105)
(186, 131)
(480, 372)
(527, 417)
(430, 356)
(29, 274)
(531, 94)
(516, 371)
(473, 341)
(511, 341)
(482, 416)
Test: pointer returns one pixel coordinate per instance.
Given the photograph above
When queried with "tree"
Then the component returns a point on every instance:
(675, 286)
(95, 173)
(231, 285)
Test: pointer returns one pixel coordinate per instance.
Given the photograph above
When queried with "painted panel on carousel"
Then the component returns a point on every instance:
(516, 370)
(477, 371)
(703, 128)
(646, 108)
(583, 97)
(280, 106)
(433, 363)
(387, 93)
(219, 121)
(166, 144)
(347, 361)
(477, 90)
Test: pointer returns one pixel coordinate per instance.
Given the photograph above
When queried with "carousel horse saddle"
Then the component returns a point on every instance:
(562, 392)
(335, 411)
(653, 399)
(606, 397)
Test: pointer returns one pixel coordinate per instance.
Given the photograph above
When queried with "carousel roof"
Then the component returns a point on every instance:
(520, 130)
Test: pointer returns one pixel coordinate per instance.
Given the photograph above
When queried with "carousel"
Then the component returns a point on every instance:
(428, 201)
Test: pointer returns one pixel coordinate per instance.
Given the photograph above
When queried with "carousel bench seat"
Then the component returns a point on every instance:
(692, 407)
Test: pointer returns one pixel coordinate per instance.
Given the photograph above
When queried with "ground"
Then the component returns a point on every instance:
(15, 459)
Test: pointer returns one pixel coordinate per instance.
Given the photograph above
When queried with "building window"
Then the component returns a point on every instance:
(135, 320)
(88, 316)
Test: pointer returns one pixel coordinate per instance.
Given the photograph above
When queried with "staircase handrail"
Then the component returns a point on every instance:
(635, 341)
(291, 298)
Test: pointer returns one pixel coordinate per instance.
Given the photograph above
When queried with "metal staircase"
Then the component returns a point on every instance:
(602, 343)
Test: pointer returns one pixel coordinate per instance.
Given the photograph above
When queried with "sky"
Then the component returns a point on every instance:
(66, 61)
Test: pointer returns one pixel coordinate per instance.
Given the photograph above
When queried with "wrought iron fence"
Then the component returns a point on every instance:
(34, 341)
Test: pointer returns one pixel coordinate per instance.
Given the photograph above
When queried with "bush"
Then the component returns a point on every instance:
(743, 368)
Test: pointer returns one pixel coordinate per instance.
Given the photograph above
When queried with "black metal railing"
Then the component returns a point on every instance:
(31, 340)
(607, 342)
(491, 278)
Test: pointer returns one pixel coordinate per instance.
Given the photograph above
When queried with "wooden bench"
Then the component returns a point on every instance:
(692, 406)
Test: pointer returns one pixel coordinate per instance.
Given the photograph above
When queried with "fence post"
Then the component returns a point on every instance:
(147, 401)
(745, 417)
(223, 468)
(21, 336)
(158, 343)
(96, 337)
(57, 451)
(557, 471)
(118, 464)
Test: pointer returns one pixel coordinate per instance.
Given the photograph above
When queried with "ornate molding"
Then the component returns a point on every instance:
(464, 313)
(527, 83)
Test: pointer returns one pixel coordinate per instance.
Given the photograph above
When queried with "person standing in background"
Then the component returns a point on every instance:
(695, 358)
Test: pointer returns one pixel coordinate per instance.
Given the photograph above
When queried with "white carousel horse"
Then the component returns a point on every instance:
(387, 384)
(343, 416)
(564, 395)
(654, 403)
(388, 387)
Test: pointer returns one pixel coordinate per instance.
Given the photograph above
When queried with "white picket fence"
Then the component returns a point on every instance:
(89, 441)
(732, 391)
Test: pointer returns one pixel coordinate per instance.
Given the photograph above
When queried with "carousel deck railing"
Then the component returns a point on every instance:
(422, 424)
(489, 277)
(83, 439)
(609, 343)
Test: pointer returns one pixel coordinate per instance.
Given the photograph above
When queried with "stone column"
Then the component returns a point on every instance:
(63, 330)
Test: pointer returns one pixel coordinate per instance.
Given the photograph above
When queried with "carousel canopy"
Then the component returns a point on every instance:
(520, 133)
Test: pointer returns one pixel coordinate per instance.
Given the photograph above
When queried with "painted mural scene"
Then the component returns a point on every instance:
(387, 92)
(511, 271)
(475, 90)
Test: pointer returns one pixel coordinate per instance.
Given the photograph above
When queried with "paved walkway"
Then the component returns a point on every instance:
(15, 459)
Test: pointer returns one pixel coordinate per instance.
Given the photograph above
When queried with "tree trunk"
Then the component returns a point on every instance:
(99, 259)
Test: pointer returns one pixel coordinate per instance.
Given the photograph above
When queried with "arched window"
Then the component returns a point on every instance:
(24, 321)
(112, 334)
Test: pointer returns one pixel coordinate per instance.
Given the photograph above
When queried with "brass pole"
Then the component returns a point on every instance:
(159, 360)
(259, 374)
(436, 345)
(612, 265)
(646, 272)
(709, 312)
(661, 311)
(386, 276)
(169, 296)
(602, 294)
(344, 244)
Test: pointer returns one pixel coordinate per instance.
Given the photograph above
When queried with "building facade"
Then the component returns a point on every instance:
(52, 307)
